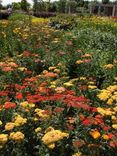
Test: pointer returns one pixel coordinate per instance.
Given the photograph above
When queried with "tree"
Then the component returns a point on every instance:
(105, 1)
(62, 6)
(35, 6)
(71, 6)
(16, 5)
(0, 4)
(25, 5)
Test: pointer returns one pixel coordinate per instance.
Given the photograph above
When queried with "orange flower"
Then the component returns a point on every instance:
(9, 105)
(60, 89)
(113, 144)
(78, 143)
(105, 137)
(7, 69)
(50, 75)
(95, 134)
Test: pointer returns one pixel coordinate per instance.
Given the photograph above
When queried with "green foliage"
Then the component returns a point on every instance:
(25, 5)
(16, 5)
(18, 17)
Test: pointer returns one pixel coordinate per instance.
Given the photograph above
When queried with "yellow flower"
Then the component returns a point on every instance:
(53, 83)
(22, 69)
(115, 109)
(24, 104)
(35, 119)
(95, 134)
(3, 139)
(91, 82)
(9, 126)
(57, 70)
(41, 114)
(77, 154)
(17, 136)
(86, 55)
(52, 86)
(112, 88)
(114, 118)
(82, 78)
(52, 67)
(104, 95)
(53, 136)
(115, 78)
(0, 122)
(45, 72)
(105, 137)
(109, 66)
(92, 87)
(51, 146)
(38, 129)
(105, 112)
(110, 101)
(79, 62)
(68, 84)
(19, 121)
(114, 126)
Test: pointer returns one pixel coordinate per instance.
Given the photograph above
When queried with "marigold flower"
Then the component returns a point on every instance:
(51, 75)
(105, 137)
(92, 87)
(105, 111)
(7, 69)
(9, 126)
(77, 154)
(38, 129)
(95, 134)
(113, 144)
(9, 105)
(60, 89)
(19, 121)
(68, 84)
(110, 101)
(114, 126)
(52, 67)
(17, 136)
(19, 96)
(109, 66)
(79, 61)
(22, 69)
(53, 136)
(86, 55)
(3, 139)
(78, 143)
(0, 122)
(41, 114)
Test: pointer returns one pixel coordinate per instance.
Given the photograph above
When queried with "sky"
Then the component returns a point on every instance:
(5, 2)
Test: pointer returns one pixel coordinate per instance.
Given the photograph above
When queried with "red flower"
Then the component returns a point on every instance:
(87, 60)
(19, 96)
(3, 93)
(106, 128)
(113, 144)
(26, 53)
(70, 127)
(110, 135)
(78, 143)
(86, 122)
(9, 105)
(58, 110)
